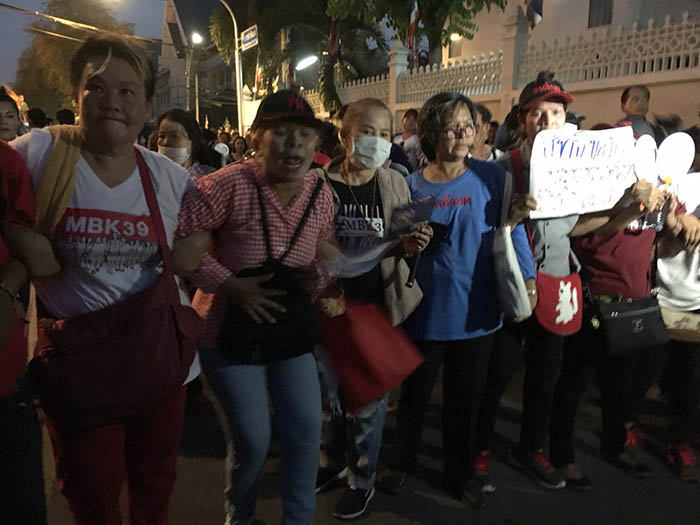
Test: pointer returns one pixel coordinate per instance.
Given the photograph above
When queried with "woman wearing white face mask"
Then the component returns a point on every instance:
(180, 139)
(365, 193)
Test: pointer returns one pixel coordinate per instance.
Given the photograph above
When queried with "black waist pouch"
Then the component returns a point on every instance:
(244, 341)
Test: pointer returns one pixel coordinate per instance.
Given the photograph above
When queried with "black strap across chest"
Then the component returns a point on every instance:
(299, 228)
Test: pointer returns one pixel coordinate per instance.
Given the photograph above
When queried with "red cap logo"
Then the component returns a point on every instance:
(547, 88)
(295, 101)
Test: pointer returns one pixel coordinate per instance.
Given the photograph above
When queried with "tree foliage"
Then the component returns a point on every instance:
(43, 73)
(309, 27)
(440, 18)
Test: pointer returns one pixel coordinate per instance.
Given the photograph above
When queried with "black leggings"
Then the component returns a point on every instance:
(464, 377)
(680, 364)
(541, 352)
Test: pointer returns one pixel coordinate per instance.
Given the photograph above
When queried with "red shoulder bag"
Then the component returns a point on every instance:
(104, 366)
(559, 306)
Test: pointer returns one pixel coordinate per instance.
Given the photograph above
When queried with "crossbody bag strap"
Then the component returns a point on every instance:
(519, 180)
(507, 198)
(157, 220)
(300, 225)
(263, 220)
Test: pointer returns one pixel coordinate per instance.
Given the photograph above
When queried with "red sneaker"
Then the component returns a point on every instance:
(481, 467)
(634, 437)
(684, 461)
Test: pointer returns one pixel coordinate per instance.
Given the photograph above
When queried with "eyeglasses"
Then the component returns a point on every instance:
(457, 131)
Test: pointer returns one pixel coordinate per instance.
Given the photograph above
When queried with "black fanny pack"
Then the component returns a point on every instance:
(244, 341)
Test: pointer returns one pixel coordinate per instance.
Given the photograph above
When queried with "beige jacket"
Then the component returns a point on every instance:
(399, 300)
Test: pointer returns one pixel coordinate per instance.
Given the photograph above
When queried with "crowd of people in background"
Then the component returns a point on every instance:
(100, 207)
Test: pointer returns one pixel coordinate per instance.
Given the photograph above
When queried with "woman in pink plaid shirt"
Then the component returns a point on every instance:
(269, 215)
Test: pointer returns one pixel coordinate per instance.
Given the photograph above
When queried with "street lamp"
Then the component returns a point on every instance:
(239, 76)
(306, 62)
(195, 39)
(455, 36)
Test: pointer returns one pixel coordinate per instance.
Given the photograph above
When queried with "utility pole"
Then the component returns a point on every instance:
(188, 77)
(196, 96)
(237, 57)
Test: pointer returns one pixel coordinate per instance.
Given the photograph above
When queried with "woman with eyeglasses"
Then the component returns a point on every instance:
(456, 321)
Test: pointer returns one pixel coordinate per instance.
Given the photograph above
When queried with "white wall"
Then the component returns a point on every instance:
(562, 18)
(603, 105)
(487, 38)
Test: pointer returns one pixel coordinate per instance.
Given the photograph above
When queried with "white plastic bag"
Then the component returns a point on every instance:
(510, 284)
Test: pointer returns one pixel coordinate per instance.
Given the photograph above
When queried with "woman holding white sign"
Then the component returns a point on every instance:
(557, 298)
(556, 301)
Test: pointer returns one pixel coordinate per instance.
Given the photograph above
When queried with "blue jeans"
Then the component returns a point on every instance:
(359, 441)
(243, 393)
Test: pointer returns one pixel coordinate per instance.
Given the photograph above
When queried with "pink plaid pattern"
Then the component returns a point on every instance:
(226, 202)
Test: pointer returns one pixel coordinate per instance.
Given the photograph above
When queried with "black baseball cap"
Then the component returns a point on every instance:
(544, 88)
(286, 105)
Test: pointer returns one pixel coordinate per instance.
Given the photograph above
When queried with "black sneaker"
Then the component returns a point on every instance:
(327, 478)
(629, 461)
(538, 466)
(470, 492)
(474, 495)
(353, 503)
(392, 481)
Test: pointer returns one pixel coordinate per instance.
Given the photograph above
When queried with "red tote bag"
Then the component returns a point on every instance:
(369, 355)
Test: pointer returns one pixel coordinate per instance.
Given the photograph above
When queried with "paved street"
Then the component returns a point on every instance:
(617, 499)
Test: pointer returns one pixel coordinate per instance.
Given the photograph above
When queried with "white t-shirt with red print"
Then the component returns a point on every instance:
(105, 242)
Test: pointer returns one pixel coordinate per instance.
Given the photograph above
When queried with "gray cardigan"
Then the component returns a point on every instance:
(399, 300)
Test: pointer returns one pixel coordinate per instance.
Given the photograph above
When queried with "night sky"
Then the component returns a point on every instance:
(146, 15)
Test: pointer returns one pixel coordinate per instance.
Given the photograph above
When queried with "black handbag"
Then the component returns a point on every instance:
(630, 325)
(242, 340)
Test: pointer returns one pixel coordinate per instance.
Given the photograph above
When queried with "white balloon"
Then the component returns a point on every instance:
(675, 155)
(645, 158)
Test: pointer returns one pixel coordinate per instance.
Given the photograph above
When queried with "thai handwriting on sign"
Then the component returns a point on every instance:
(580, 172)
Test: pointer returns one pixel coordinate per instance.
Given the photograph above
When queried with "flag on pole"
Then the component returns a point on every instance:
(258, 74)
(534, 12)
(291, 71)
(333, 40)
(413, 26)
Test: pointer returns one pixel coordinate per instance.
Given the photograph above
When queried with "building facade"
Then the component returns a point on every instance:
(193, 75)
(595, 47)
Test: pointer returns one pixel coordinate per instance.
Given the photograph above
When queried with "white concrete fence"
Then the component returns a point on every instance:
(595, 69)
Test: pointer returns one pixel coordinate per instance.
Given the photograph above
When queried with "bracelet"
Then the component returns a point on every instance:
(532, 292)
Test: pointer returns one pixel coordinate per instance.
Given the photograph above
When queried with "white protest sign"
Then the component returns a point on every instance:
(580, 172)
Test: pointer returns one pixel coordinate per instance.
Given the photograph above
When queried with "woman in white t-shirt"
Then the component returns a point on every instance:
(107, 246)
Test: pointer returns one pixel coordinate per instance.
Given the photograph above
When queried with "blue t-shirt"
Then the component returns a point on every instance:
(458, 283)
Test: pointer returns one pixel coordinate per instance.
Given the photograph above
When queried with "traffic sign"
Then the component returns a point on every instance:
(249, 38)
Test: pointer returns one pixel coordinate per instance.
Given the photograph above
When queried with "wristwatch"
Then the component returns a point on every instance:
(532, 291)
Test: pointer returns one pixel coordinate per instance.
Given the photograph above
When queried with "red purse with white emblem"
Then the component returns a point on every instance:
(559, 306)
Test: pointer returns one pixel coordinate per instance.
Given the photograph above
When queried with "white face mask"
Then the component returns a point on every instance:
(178, 155)
(369, 152)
